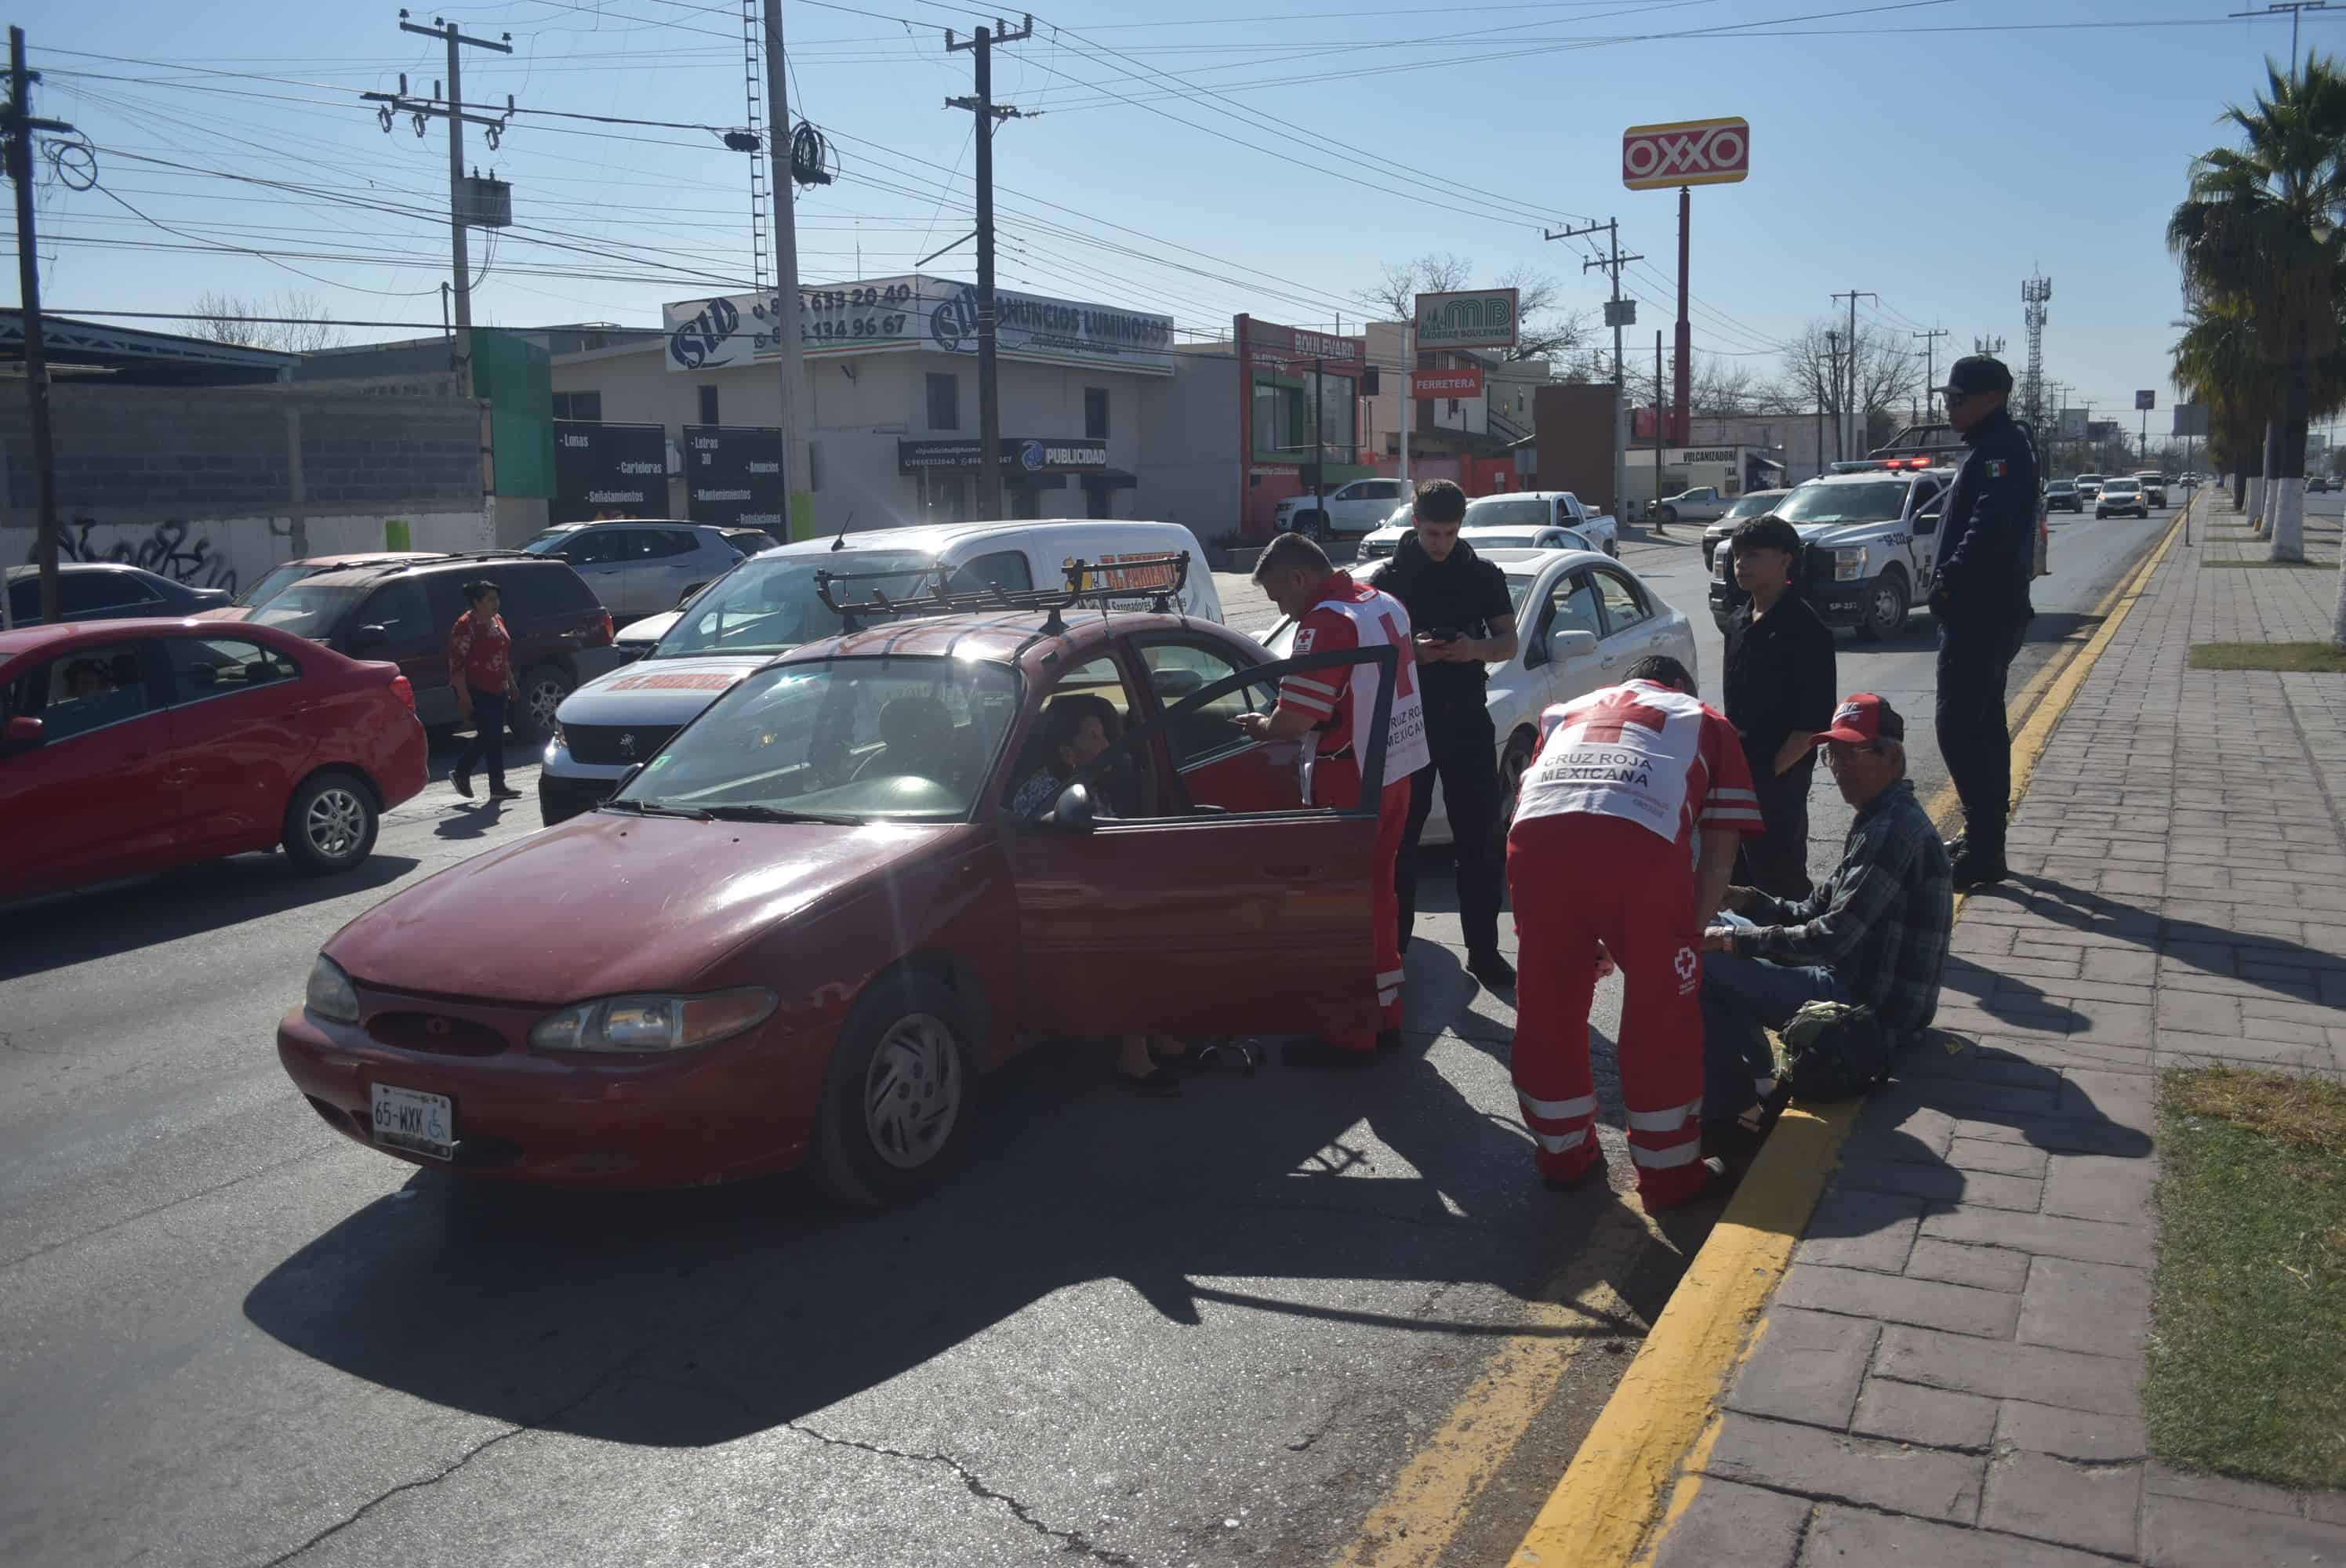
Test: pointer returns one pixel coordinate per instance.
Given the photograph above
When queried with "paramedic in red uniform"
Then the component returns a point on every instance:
(1625, 835)
(1334, 706)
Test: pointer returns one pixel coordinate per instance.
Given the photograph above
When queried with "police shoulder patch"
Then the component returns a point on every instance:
(1995, 466)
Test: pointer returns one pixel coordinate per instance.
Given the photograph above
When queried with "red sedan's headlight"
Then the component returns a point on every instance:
(652, 1023)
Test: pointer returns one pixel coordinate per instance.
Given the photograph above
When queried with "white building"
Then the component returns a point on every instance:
(890, 407)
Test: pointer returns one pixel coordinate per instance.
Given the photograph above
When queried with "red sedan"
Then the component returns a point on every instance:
(859, 878)
(135, 745)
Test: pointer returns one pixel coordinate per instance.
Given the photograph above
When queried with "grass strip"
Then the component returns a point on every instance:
(2244, 564)
(2248, 1345)
(2320, 659)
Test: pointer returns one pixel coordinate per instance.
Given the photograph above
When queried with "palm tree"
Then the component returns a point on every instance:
(2261, 224)
(2218, 363)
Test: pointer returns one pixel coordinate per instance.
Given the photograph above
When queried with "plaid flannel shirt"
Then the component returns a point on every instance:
(1881, 923)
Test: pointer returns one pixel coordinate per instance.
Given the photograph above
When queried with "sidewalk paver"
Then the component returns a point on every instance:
(1951, 1371)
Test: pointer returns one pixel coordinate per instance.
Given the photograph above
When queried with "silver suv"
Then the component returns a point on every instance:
(641, 566)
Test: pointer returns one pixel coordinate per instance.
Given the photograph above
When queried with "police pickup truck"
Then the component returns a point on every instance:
(1871, 543)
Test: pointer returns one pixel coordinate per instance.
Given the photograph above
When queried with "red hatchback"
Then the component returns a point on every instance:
(817, 916)
(135, 745)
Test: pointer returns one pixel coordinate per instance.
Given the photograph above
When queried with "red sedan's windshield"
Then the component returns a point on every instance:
(902, 738)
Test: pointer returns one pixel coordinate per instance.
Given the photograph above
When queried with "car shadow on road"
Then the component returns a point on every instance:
(57, 932)
(693, 1317)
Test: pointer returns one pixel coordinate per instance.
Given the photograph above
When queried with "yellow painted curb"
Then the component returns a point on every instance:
(1660, 1420)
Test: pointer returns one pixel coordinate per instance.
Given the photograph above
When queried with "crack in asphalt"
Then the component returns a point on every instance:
(47, 1247)
(611, 1374)
(1071, 1541)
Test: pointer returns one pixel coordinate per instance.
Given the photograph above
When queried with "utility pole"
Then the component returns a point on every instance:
(462, 211)
(1855, 415)
(989, 408)
(2295, 9)
(1658, 432)
(1929, 365)
(1841, 414)
(17, 125)
(798, 494)
(1618, 313)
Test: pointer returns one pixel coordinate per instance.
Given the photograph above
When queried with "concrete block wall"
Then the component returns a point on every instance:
(129, 454)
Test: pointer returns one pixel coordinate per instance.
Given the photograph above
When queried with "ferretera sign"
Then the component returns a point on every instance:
(1469, 319)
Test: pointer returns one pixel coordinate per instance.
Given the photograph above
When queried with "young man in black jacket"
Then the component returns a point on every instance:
(1779, 689)
(1463, 621)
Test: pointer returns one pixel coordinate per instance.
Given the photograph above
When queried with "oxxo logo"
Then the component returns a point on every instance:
(1690, 152)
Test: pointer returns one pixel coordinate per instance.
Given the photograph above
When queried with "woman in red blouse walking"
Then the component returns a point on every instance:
(480, 666)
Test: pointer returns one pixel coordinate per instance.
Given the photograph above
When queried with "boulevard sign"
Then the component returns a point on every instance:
(1468, 318)
(1686, 152)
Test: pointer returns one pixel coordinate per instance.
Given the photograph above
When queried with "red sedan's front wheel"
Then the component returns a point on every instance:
(895, 1096)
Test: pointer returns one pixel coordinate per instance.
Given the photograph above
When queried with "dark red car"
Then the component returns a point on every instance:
(818, 918)
(134, 745)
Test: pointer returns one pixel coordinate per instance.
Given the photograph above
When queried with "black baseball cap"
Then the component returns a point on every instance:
(1978, 373)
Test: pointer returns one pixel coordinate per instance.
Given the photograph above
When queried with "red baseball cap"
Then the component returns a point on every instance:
(1862, 720)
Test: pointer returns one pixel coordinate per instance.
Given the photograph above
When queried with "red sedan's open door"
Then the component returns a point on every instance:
(1211, 923)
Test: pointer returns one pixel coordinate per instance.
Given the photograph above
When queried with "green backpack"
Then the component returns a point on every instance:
(1832, 1050)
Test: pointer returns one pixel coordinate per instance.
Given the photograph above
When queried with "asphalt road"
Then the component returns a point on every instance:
(1294, 1318)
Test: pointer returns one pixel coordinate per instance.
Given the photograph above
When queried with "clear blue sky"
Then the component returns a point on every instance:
(1935, 168)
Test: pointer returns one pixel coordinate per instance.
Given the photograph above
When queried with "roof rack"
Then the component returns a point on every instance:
(1115, 580)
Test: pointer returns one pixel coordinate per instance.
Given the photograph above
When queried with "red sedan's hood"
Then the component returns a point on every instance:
(607, 904)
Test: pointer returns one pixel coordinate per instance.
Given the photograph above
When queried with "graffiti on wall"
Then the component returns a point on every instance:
(167, 551)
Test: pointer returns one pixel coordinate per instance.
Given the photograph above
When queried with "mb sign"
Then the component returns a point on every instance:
(1690, 152)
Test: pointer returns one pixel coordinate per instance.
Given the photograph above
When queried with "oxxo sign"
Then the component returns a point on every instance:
(1689, 152)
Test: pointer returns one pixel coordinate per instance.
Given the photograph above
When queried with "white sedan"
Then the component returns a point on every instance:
(1386, 540)
(1582, 620)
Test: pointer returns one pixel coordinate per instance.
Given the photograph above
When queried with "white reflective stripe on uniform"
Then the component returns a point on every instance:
(1560, 1142)
(1669, 1121)
(1730, 794)
(1393, 977)
(1306, 702)
(1557, 1110)
(1321, 686)
(1682, 1154)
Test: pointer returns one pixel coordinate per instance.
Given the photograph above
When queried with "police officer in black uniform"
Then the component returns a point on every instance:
(1461, 620)
(1980, 600)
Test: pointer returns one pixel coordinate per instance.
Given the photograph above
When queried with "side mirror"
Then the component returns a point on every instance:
(1072, 811)
(630, 652)
(21, 735)
(1563, 646)
(369, 640)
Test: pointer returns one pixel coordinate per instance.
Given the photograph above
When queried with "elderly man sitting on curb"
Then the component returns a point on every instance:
(1874, 935)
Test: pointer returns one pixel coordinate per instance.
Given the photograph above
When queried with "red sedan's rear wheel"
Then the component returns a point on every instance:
(896, 1095)
(331, 823)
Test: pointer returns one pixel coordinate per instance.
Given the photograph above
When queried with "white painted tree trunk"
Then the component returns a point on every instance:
(2285, 508)
(2338, 614)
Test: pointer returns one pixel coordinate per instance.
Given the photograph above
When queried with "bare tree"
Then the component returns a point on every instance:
(1817, 375)
(1396, 293)
(297, 323)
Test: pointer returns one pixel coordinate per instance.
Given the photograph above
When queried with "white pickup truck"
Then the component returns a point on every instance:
(1703, 503)
(1348, 512)
(1870, 545)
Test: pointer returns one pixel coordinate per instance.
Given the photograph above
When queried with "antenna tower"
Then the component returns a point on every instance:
(2033, 293)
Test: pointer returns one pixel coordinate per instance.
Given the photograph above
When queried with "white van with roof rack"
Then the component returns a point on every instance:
(768, 605)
